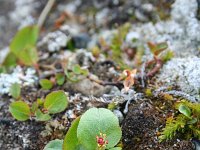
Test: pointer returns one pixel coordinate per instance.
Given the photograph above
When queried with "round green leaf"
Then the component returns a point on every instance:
(23, 45)
(60, 78)
(20, 110)
(71, 76)
(185, 110)
(76, 69)
(15, 90)
(34, 107)
(46, 84)
(10, 60)
(192, 121)
(71, 141)
(54, 145)
(56, 102)
(96, 121)
(28, 55)
(27, 36)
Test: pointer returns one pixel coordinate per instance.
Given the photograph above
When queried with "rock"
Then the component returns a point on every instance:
(87, 87)
(181, 32)
(119, 115)
(183, 72)
(81, 40)
(83, 58)
(54, 41)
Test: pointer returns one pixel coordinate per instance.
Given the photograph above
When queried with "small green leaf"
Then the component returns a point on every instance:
(56, 102)
(20, 110)
(156, 49)
(24, 43)
(15, 90)
(10, 60)
(185, 110)
(71, 76)
(34, 107)
(54, 145)
(26, 36)
(84, 72)
(60, 78)
(71, 140)
(167, 56)
(94, 122)
(76, 69)
(46, 84)
(41, 116)
(40, 101)
(28, 55)
(192, 121)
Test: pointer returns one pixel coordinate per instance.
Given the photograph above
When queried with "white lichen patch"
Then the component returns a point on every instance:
(181, 31)
(82, 56)
(24, 78)
(184, 72)
(54, 41)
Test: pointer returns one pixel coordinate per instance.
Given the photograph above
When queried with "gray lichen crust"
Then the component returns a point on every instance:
(181, 31)
(185, 73)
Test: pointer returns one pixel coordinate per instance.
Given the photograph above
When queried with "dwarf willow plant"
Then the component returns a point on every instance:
(55, 102)
(46, 84)
(23, 47)
(54, 145)
(160, 50)
(76, 73)
(186, 122)
(60, 78)
(96, 129)
(15, 90)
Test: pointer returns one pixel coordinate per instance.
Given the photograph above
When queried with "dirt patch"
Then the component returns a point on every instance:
(141, 128)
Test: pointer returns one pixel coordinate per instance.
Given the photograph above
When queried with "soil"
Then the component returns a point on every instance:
(141, 128)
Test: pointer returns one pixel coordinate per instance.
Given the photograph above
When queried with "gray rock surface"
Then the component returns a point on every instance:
(181, 32)
(184, 72)
(87, 87)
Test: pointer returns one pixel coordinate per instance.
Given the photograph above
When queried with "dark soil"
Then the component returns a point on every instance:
(141, 128)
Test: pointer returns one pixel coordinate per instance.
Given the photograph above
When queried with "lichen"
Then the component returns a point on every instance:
(54, 41)
(185, 73)
(24, 78)
(181, 31)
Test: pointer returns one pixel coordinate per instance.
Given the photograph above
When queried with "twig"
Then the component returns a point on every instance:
(142, 76)
(46, 74)
(117, 84)
(45, 12)
(155, 69)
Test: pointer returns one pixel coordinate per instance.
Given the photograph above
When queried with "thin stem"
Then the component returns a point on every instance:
(157, 67)
(44, 13)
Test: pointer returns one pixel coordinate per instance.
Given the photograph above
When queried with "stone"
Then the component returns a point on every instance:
(183, 72)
